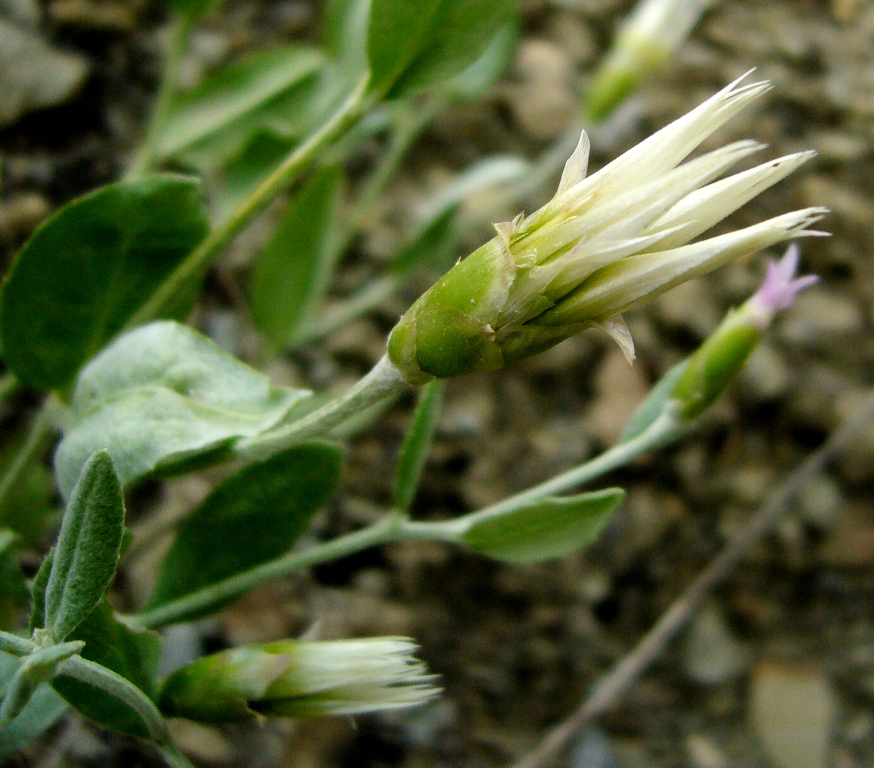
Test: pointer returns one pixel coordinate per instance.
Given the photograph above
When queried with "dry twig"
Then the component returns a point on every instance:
(626, 672)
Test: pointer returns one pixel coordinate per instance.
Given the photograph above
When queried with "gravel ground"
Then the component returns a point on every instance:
(778, 669)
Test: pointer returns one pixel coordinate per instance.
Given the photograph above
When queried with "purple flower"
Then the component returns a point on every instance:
(778, 290)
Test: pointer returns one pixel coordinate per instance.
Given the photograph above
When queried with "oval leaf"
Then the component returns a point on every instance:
(458, 33)
(88, 548)
(131, 653)
(417, 443)
(87, 270)
(396, 34)
(162, 395)
(294, 269)
(254, 516)
(228, 98)
(544, 530)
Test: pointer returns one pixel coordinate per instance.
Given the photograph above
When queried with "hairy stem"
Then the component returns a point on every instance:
(193, 267)
(396, 527)
(382, 382)
(179, 33)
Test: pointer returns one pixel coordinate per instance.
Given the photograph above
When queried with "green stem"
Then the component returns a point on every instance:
(294, 165)
(395, 527)
(380, 533)
(664, 430)
(8, 385)
(179, 33)
(40, 430)
(383, 381)
(17, 646)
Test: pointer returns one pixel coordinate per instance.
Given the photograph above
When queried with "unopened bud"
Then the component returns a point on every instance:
(645, 42)
(709, 371)
(602, 245)
(299, 679)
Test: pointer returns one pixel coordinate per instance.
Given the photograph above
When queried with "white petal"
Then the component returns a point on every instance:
(576, 166)
(700, 210)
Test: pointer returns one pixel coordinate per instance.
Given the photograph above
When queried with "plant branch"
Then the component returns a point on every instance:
(37, 437)
(193, 267)
(180, 31)
(383, 381)
(629, 669)
(17, 646)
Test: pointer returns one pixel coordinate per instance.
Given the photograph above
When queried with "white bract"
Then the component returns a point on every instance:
(602, 245)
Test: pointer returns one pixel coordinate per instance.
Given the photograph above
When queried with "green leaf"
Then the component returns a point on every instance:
(131, 653)
(458, 33)
(88, 547)
(88, 269)
(192, 8)
(417, 443)
(295, 267)
(473, 81)
(654, 404)
(14, 595)
(161, 396)
(43, 710)
(233, 99)
(544, 530)
(254, 516)
(396, 34)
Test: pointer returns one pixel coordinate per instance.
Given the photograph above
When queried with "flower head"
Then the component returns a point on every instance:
(602, 245)
(780, 287)
(299, 679)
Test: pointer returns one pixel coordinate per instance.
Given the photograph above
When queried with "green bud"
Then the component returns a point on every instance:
(298, 679)
(716, 364)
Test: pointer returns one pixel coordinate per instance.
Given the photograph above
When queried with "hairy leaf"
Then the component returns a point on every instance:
(88, 547)
(161, 396)
(87, 270)
(543, 530)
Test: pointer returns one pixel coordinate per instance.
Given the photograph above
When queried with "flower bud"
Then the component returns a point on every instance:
(299, 679)
(709, 371)
(644, 44)
(602, 245)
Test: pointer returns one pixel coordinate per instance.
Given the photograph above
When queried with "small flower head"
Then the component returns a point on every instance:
(602, 245)
(299, 679)
(646, 40)
(709, 371)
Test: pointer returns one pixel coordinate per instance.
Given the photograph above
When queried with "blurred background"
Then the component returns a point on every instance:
(518, 647)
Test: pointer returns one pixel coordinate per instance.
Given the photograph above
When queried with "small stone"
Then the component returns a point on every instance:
(845, 10)
(820, 502)
(839, 146)
(792, 708)
(749, 484)
(712, 654)
(33, 74)
(850, 544)
(574, 36)
(593, 750)
(766, 375)
(93, 14)
(202, 742)
(467, 411)
(703, 753)
(689, 307)
(821, 316)
(619, 389)
(24, 12)
(542, 100)
(20, 215)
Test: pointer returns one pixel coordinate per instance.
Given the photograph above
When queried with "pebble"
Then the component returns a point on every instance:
(20, 215)
(542, 98)
(92, 14)
(821, 317)
(712, 654)
(619, 389)
(574, 36)
(850, 544)
(24, 12)
(766, 375)
(593, 750)
(792, 708)
(35, 75)
(820, 502)
(690, 307)
(704, 753)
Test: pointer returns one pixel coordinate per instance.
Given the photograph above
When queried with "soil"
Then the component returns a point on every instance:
(517, 648)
